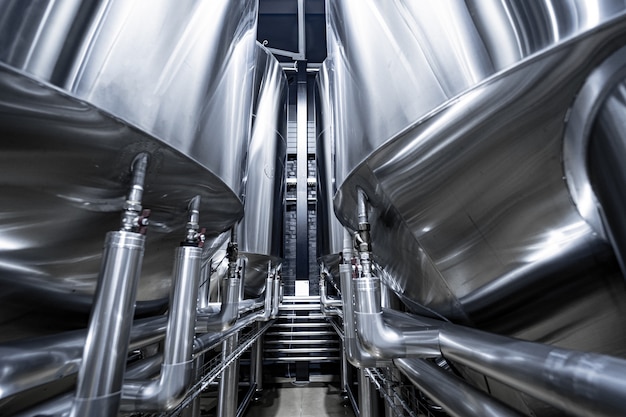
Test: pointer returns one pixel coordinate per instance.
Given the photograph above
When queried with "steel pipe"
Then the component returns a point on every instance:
(104, 359)
(228, 392)
(356, 355)
(256, 364)
(455, 396)
(101, 374)
(228, 313)
(327, 304)
(35, 362)
(169, 389)
(276, 297)
(580, 383)
(367, 396)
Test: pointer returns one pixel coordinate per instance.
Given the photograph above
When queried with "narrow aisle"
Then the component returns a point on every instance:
(306, 401)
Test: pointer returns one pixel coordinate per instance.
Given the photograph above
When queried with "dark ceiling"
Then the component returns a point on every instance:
(278, 27)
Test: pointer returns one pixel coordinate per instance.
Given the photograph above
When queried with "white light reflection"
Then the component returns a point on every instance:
(557, 241)
(8, 243)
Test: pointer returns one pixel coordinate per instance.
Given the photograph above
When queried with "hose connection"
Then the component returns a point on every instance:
(195, 235)
(134, 217)
(362, 238)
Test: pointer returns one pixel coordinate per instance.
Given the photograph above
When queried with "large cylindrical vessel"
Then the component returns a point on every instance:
(330, 236)
(85, 86)
(451, 117)
(260, 230)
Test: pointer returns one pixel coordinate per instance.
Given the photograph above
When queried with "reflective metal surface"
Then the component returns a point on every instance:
(181, 71)
(607, 173)
(470, 206)
(101, 372)
(260, 230)
(455, 132)
(174, 80)
(391, 64)
(457, 398)
(330, 231)
(167, 391)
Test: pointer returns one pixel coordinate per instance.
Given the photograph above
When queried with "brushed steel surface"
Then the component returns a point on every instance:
(64, 167)
(330, 231)
(472, 199)
(181, 71)
(606, 149)
(455, 132)
(395, 62)
(101, 373)
(260, 230)
(85, 86)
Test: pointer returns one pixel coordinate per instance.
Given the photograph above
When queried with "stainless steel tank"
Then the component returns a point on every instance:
(330, 236)
(452, 118)
(85, 86)
(260, 230)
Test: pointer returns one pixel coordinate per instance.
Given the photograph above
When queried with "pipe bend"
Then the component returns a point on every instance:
(384, 341)
(162, 394)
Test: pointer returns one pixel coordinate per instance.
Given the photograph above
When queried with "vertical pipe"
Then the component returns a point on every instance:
(228, 392)
(205, 282)
(344, 368)
(227, 400)
(194, 409)
(276, 297)
(256, 373)
(301, 32)
(367, 396)
(101, 373)
(302, 241)
(176, 371)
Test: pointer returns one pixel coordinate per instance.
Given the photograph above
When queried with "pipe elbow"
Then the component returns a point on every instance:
(384, 341)
(163, 394)
(379, 340)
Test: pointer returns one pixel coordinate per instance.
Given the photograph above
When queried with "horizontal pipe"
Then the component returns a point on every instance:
(144, 368)
(62, 354)
(455, 396)
(60, 406)
(580, 383)
(208, 341)
(305, 359)
(31, 363)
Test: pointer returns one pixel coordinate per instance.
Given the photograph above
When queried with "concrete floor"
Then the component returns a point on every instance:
(300, 401)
